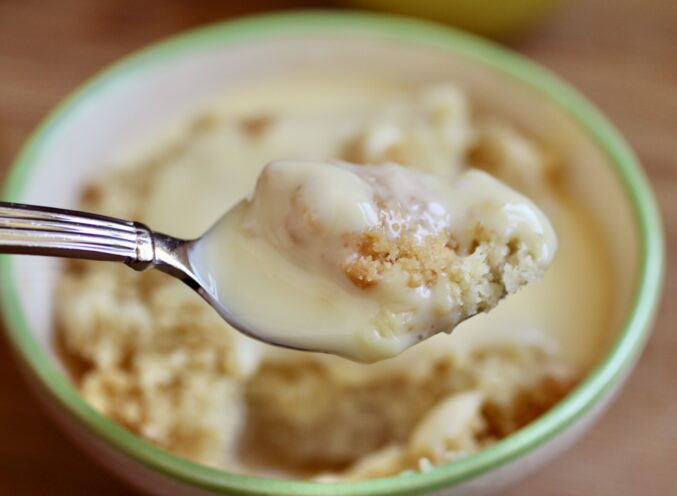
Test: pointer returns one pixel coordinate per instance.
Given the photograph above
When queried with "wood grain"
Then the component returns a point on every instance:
(621, 54)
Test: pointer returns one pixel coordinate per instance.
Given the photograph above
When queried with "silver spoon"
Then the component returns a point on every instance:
(54, 232)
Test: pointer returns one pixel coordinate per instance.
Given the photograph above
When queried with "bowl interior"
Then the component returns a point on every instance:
(138, 98)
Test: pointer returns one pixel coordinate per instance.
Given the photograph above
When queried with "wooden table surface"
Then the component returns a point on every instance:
(622, 54)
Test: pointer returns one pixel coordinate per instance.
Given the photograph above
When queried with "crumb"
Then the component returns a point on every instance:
(255, 127)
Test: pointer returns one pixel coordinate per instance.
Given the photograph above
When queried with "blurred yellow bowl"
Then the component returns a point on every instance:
(495, 18)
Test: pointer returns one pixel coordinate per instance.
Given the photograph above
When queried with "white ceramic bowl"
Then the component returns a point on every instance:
(135, 99)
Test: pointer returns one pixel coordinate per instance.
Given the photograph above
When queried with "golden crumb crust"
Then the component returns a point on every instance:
(375, 253)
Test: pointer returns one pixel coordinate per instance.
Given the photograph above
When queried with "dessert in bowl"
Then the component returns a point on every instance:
(152, 361)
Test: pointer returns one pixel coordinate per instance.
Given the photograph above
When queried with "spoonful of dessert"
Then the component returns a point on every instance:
(357, 260)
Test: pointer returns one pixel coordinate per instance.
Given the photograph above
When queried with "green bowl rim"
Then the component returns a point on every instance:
(392, 28)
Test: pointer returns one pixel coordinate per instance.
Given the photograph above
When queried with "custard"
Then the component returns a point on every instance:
(364, 261)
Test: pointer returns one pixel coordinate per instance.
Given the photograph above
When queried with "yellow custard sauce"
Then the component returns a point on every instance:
(366, 260)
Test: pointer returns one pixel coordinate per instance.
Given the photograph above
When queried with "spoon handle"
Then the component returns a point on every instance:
(34, 230)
